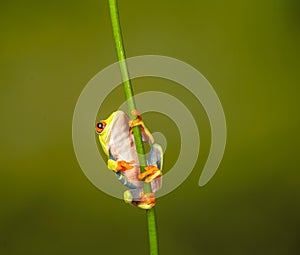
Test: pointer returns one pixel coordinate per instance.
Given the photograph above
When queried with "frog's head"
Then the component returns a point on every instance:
(104, 129)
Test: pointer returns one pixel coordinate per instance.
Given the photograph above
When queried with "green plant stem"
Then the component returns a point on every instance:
(114, 14)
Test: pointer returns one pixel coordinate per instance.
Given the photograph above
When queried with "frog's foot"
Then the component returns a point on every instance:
(147, 201)
(137, 198)
(128, 197)
(150, 174)
(123, 165)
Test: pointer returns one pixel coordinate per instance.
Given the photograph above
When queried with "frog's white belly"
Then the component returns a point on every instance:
(122, 147)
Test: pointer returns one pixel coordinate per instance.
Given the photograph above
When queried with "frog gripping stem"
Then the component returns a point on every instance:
(151, 220)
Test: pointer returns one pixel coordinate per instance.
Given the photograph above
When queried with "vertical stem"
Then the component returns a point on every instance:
(114, 14)
(152, 232)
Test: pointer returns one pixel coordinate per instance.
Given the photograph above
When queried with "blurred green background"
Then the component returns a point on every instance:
(249, 51)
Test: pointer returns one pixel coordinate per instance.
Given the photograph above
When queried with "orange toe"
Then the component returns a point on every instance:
(147, 201)
(151, 173)
(123, 165)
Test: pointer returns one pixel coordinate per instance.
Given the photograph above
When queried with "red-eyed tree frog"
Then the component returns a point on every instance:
(117, 142)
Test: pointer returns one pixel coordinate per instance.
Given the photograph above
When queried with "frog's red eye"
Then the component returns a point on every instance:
(100, 127)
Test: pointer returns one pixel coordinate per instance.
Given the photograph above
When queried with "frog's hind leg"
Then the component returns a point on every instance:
(132, 196)
(137, 198)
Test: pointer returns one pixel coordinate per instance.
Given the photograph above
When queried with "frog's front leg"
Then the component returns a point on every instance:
(119, 165)
(146, 135)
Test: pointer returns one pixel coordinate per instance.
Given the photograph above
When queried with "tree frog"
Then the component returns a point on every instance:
(117, 142)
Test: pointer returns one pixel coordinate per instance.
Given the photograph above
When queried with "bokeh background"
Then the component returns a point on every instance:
(249, 51)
